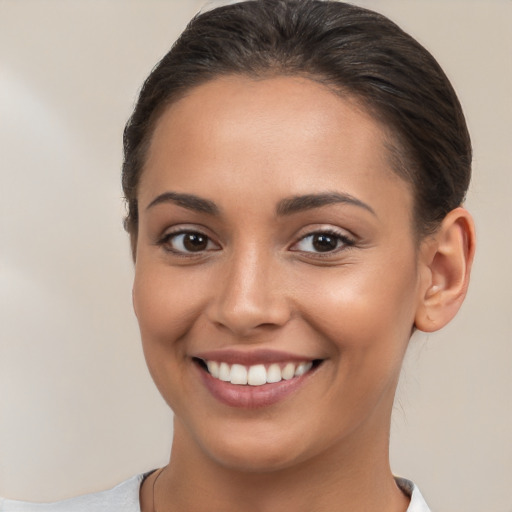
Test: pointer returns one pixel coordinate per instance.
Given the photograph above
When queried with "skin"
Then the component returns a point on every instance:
(246, 146)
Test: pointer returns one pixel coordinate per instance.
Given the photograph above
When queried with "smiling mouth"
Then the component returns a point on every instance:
(257, 374)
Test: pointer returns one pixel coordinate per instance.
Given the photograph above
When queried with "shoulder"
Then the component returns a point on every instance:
(418, 503)
(122, 498)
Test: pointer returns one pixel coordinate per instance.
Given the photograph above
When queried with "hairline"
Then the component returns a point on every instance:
(396, 153)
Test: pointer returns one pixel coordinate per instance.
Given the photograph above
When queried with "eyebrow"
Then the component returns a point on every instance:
(189, 201)
(297, 204)
(286, 206)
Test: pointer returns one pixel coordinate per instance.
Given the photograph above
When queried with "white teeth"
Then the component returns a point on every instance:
(288, 371)
(258, 374)
(213, 368)
(224, 372)
(302, 368)
(238, 374)
(274, 373)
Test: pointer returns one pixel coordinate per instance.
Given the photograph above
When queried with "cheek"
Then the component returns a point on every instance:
(365, 310)
(166, 307)
(366, 318)
(165, 303)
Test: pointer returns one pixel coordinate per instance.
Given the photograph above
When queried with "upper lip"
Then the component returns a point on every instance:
(251, 357)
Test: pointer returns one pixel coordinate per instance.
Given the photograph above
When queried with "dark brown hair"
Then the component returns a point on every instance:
(355, 52)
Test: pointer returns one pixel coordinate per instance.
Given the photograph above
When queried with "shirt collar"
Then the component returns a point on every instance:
(418, 503)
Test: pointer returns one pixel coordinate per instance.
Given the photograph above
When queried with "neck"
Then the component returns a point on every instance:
(354, 476)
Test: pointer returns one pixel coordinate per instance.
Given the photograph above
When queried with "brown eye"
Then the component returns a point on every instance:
(189, 242)
(195, 242)
(322, 242)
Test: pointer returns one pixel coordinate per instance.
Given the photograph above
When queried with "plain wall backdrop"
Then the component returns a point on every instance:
(78, 410)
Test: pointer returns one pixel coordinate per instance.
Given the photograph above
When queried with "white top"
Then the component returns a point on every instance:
(125, 498)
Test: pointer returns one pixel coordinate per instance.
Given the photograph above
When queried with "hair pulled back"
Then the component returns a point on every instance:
(355, 52)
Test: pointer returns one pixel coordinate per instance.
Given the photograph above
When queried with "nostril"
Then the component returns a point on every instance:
(245, 317)
(248, 296)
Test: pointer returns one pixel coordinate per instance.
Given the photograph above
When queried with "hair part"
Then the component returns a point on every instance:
(354, 51)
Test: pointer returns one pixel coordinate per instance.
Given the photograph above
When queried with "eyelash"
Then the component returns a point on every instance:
(343, 242)
(166, 242)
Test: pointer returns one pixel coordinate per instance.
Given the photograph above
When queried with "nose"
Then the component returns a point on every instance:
(250, 296)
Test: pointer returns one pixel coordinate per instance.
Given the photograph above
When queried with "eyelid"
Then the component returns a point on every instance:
(165, 239)
(347, 240)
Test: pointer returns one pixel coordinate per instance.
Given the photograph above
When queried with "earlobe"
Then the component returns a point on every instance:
(447, 257)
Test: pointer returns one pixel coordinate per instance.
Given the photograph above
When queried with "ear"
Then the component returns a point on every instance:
(446, 260)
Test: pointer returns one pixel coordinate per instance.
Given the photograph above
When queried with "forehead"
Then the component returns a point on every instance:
(290, 132)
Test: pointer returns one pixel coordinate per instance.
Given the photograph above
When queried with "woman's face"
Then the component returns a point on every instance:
(274, 240)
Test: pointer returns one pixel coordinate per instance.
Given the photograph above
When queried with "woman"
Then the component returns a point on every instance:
(294, 173)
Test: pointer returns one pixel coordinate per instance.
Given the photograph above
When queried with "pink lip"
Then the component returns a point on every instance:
(251, 397)
(260, 356)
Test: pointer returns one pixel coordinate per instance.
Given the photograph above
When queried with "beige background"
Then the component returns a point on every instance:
(78, 411)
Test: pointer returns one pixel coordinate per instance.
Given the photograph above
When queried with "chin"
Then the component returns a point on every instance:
(251, 448)
(258, 458)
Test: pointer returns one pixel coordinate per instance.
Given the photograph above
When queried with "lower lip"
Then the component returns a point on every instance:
(252, 397)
